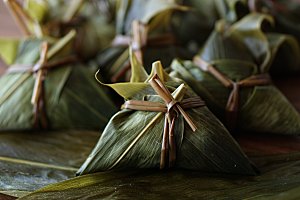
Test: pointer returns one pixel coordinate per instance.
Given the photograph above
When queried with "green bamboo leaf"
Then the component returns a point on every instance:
(139, 81)
(37, 9)
(179, 184)
(32, 161)
(192, 31)
(8, 49)
(220, 45)
(249, 31)
(144, 11)
(138, 73)
(286, 14)
(285, 52)
(158, 41)
(234, 10)
(265, 45)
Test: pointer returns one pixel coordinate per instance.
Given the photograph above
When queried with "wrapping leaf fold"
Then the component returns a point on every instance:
(267, 46)
(286, 14)
(181, 133)
(194, 26)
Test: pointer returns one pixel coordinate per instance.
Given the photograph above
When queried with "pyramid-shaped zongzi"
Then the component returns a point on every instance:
(49, 88)
(236, 86)
(146, 25)
(163, 123)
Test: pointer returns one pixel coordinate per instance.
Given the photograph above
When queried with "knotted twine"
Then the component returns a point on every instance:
(138, 41)
(172, 108)
(232, 105)
(39, 70)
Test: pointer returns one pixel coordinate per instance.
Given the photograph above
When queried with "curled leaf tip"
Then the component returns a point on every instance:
(96, 76)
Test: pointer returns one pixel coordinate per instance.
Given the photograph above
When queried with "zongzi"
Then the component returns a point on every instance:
(194, 26)
(46, 89)
(144, 24)
(56, 18)
(231, 74)
(164, 124)
(236, 86)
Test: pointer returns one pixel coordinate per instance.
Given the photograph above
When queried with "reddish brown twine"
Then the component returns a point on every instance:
(38, 95)
(172, 109)
(37, 99)
(233, 99)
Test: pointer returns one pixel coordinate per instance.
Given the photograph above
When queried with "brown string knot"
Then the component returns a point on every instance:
(138, 41)
(232, 105)
(140, 38)
(172, 108)
(39, 70)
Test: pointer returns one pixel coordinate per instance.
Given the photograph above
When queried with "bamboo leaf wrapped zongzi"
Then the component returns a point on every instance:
(236, 91)
(56, 18)
(163, 124)
(146, 25)
(49, 88)
(231, 74)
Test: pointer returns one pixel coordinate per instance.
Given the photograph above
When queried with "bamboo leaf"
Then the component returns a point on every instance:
(285, 51)
(144, 11)
(138, 71)
(270, 106)
(37, 9)
(286, 14)
(128, 89)
(249, 31)
(8, 49)
(32, 161)
(181, 184)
